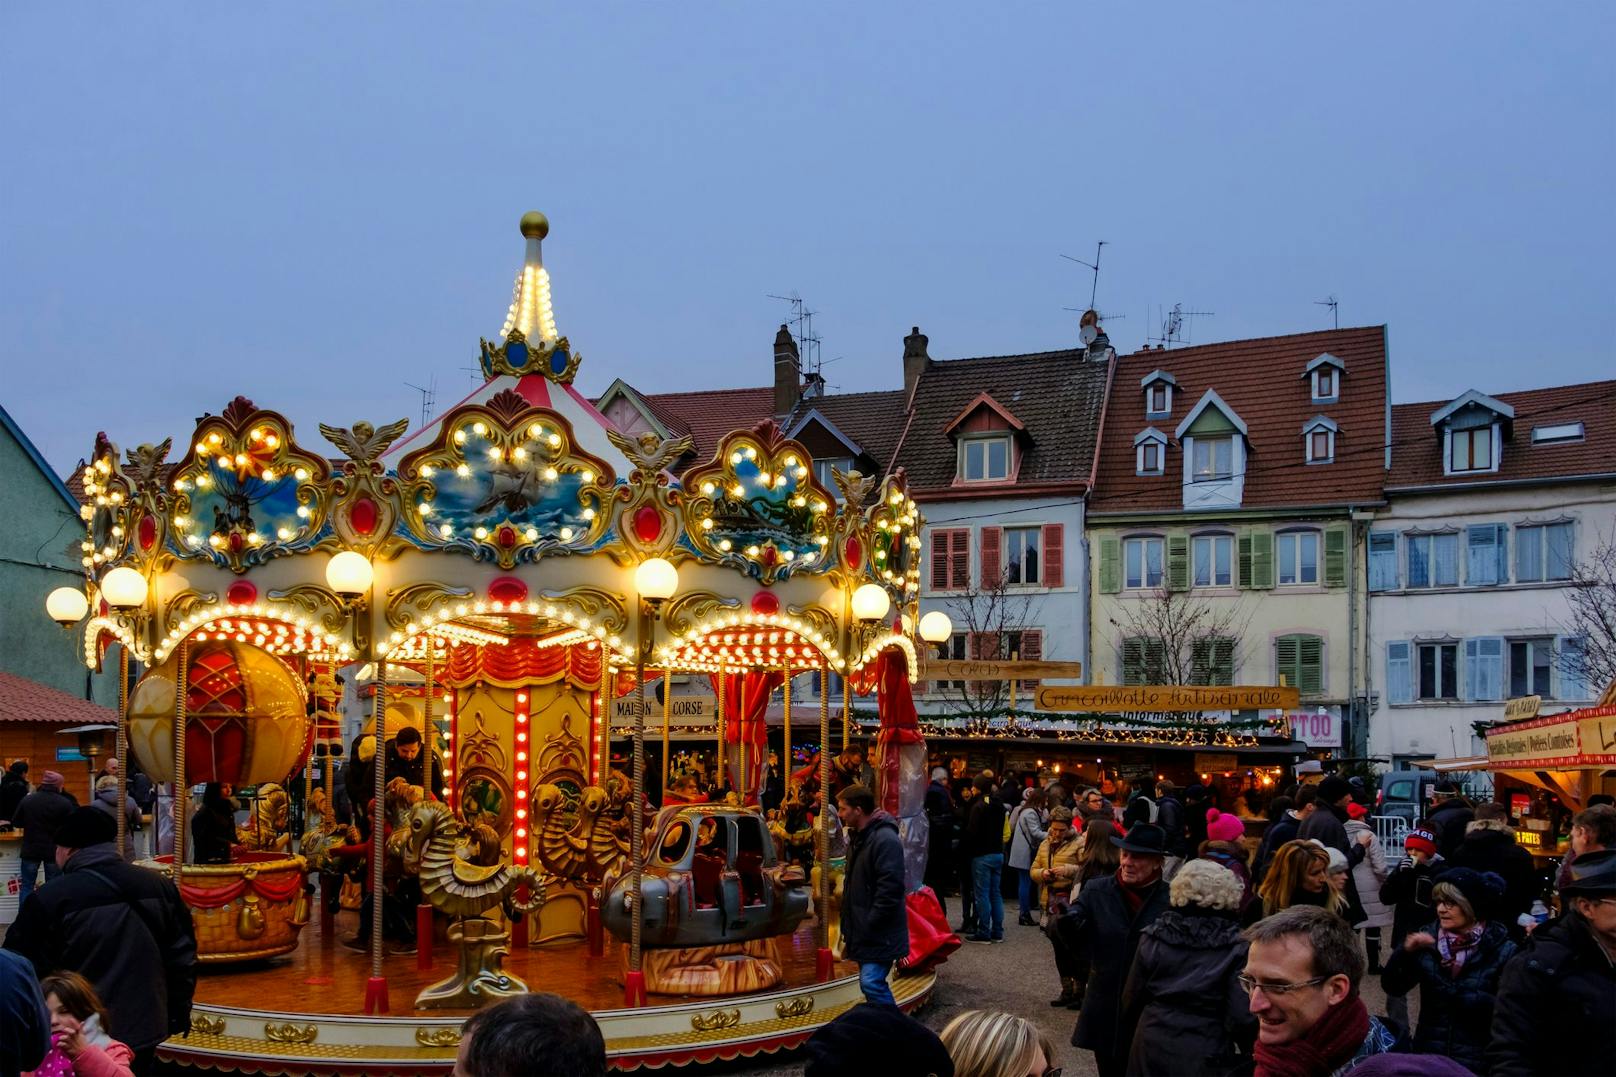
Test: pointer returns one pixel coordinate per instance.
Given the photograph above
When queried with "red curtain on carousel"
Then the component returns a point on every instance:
(746, 707)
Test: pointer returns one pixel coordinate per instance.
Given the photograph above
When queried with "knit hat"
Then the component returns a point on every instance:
(1421, 839)
(1334, 788)
(84, 827)
(1221, 826)
(1483, 889)
(51, 778)
(1356, 810)
(876, 1039)
(1338, 861)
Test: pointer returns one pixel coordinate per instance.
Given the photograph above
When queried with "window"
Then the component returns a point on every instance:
(1158, 397)
(1213, 459)
(1543, 552)
(1529, 663)
(1021, 556)
(1487, 555)
(1298, 557)
(1471, 450)
(1548, 435)
(822, 471)
(1144, 562)
(1324, 384)
(951, 559)
(1212, 660)
(984, 459)
(1399, 674)
(1438, 671)
(1484, 669)
(1382, 561)
(1300, 661)
(1433, 560)
(1320, 446)
(1214, 560)
(1150, 461)
(1144, 660)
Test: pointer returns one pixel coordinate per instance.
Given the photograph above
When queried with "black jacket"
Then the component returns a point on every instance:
(1456, 1013)
(984, 827)
(39, 814)
(213, 832)
(1328, 824)
(1449, 819)
(1170, 817)
(1489, 849)
(1182, 1009)
(942, 824)
(128, 933)
(13, 787)
(1100, 927)
(359, 778)
(875, 923)
(1407, 892)
(1556, 1009)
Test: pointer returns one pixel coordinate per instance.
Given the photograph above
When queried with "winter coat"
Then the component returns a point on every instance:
(1449, 819)
(984, 827)
(1555, 1008)
(22, 1015)
(1490, 846)
(1370, 875)
(875, 924)
(1456, 1012)
(107, 801)
(1328, 824)
(124, 929)
(1063, 855)
(1170, 817)
(1278, 833)
(942, 825)
(39, 814)
(1183, 1011)
(213, 832)
(1407, 892)
(101, 1055)
(1101, 927)
(13, 787)
(1025, 836)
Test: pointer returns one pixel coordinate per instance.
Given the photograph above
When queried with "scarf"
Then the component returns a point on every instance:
(1454, 948)
(1328, 1044)
(1135, 896)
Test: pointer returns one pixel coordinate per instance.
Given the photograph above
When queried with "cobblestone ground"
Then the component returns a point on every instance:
(1018, 976)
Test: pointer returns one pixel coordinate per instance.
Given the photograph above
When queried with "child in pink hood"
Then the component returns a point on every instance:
(80, 1046)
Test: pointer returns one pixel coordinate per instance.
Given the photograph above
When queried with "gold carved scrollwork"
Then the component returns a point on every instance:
(600, 606)
(801, 1006)
(517, 356)
(109, 511)
(438, 1037)
(648, 496)
(715, 1021)
(480, 747)
(891, 528)
(316, 601)
(186, 602)
(365, 497)
(210, 1026)
(692, 607)
(288, 1032)
(405, 604)
(821, 619)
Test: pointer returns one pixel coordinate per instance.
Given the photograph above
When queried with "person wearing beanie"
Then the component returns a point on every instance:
(1368, 876)
(876, 1039)
(38, 815)
(121, 927)
(1328, 826)
(1456, 962)
(1407, 893)
(1225, 846)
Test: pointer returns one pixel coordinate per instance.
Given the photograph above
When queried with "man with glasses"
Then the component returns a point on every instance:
(1302, 975)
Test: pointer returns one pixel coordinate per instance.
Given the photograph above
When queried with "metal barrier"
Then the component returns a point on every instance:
(1390, 831)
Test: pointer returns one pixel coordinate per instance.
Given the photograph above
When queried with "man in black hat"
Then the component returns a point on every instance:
(121, 927)
(1557, 996)
(1328, 826)
(1104, 924)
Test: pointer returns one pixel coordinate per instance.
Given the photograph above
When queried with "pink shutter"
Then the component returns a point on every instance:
(992, 557)
(1032, 650)
(959, 559)
(1054, 554)
(940, 551)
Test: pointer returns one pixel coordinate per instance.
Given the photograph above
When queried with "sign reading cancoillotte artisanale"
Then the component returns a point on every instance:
(1112, 699)
(969, 669)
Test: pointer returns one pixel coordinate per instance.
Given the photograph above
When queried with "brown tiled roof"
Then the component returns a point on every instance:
(708, 414)
(1262, 380)
(23, 700)
(873, 420)
(1057, 395)
(1417, 445)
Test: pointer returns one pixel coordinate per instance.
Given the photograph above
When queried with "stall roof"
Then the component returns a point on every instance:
(1464, 762)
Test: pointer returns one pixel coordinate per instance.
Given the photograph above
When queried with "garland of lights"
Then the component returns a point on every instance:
(1133, 720)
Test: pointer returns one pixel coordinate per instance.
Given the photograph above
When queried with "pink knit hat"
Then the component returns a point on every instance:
(1223, 827)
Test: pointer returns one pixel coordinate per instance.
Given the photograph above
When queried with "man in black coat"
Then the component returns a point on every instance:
(1489, 845)
(1450, 818)
(875, 924)
(1104, 925)
(38, 816)
(942, 824)
(406, 758)
(1557, 996)
(1328, 825)
(121, 927)
(984, 844)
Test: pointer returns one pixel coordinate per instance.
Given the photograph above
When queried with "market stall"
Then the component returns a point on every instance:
(1545, 769)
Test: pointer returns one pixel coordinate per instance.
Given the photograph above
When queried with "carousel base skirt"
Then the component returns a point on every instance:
(305, 1012)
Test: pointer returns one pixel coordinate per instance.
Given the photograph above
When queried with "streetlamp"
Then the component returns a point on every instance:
(656, 580)
(126, 591)
(935, 627)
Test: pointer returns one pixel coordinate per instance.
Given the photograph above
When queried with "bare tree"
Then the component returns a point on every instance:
(1592, 618)
(1175, 637)
(989, 623)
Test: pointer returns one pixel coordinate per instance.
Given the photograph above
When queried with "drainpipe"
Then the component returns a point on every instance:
(1352, 639)
(1087, 607)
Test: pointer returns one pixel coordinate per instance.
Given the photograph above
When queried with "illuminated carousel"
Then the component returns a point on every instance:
(501, 580)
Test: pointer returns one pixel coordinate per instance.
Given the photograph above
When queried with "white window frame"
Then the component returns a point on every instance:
(1396, 574)
(822, 466)
(1495, 448)
(1021, 533)
(1533, 645)
(1541, 569)
(1150, 445)
(1319, 376)
(1420, 647)
(1204, 547)
(984, 441)
(1329, 445)
(1557, 433)
(1208, 446)
(1144, 543)
(1166, 390)
(1412, 542)
(1295, 558)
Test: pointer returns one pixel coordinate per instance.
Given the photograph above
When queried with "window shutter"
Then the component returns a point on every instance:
(1285, 660)
(1032, 650)
(992, 557)
(1262, 559)
(1178, 562)
(1110, 565)
(1502, 552)
(984, 645)
(1399, 673)
(1201, 660)
(1310, 665)
(1243, 559)
(1573, 663)
(1484, 668)
(1054, 554)
(1155, 660)
(941, 543)
(1222, 660)
(1335, 557)
(1133, 660)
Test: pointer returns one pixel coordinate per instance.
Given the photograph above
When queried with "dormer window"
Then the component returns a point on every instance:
(1213, 459)
(984, 459)
(1325, 373)
(1473, 429)
(986, 435)
(1319, 440)
(1150, 452)
(1470, 450)
(1158, 386)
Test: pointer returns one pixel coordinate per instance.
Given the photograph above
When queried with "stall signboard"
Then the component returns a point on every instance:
(1522, 707)
(1541, 743)
(1316, 729)
(1215, 762)
(1596, 729)
(686, 710)
(969, 669)
(69, 755)
(1115, 699)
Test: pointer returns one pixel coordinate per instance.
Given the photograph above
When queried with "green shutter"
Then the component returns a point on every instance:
(1310, 665)
(1335, 557)
(1201, 660)
(1262, 559)
(1155, 660)
(1178, 562)
(1222, 661)
(1243, 560)
(1133, 660)
(1110, 565)
(1285, 660)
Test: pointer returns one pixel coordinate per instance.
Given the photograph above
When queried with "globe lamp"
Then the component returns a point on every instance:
(656, 579)
(870, 602)
(935, 627)
(349, 574)
(123, 588)
(67, 606)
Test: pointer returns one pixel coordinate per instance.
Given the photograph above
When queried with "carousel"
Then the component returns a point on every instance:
(500, 581)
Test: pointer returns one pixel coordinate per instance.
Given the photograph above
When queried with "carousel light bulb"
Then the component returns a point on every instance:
(268, 474)
(284, 533)
(495, 454)
(554, 440)
(463, 471)
(481, 532)
(655, 578)
(67, 606)
(871, 602)
(587, 475)
(123, 588)
(479, 428)
(532, 534)
(349, 573)
(303, 511)
(566, 534)
(707, 488)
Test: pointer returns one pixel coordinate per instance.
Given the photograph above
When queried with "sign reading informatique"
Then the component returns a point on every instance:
(1107, 699)
(686, 710)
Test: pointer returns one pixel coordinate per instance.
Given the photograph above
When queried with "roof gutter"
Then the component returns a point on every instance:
(1501, 484)
(1212, 517)
(1099, 433)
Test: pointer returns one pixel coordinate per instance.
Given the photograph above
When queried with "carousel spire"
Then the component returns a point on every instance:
(530, 304)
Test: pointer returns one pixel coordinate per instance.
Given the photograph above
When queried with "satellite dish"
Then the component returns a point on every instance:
(1087, 334)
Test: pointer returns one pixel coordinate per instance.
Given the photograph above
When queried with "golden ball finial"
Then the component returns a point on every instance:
(535, 225)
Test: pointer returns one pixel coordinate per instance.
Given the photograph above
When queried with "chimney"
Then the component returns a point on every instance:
(915, 359)
(787, 372)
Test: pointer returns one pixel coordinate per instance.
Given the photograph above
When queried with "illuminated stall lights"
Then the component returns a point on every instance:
(732, 640)
(521, 711)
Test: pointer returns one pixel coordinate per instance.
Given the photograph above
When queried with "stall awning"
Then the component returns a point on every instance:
(1463, 762)
(1576, 740)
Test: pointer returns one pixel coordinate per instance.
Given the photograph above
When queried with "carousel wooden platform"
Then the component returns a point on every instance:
(304, 1013)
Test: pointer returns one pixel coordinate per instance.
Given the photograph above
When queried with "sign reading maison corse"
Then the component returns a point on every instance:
(686, 710)
(1110, 699)
(970, 669)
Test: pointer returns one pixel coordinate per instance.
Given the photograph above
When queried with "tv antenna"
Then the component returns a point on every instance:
(429, 397)
(1335, 308)
(802, 323)
(1094, 288)
(1175, 325)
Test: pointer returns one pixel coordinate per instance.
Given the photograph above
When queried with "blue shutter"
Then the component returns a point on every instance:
(1481, 555)
(1503, 552)
(1484, 668)
(1383, 561)
(1573, 669)
(1399, 673)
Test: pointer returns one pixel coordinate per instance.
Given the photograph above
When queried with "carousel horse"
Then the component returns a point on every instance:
(272, 816)
(589, 849)
(451, 882)
(318, 841)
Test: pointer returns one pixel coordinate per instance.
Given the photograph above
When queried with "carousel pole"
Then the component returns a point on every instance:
(182, 688)
(423, 910)
(667, 721)
(785, 755)
(741, 739)
(849, 641)
(824, 963)
(656, 580)
(376, 988)
(120, 751)
(723, 748)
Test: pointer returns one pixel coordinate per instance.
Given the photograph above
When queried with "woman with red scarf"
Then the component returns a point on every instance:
(1456, 962)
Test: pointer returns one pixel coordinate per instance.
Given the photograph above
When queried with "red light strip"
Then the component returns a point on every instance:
(521, 776)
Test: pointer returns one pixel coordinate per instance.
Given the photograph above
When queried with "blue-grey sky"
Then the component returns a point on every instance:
(313, 204)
